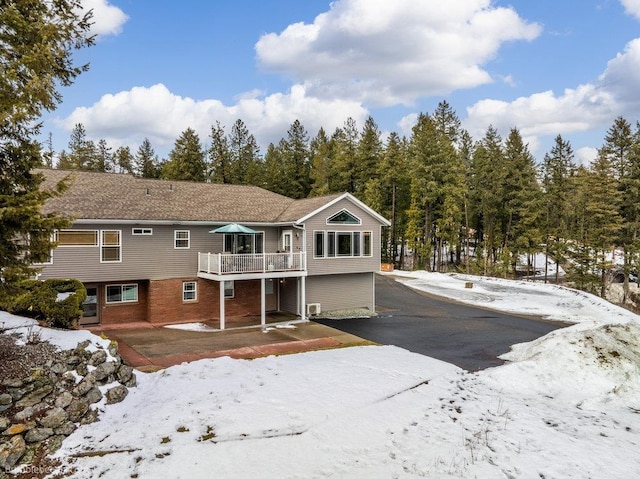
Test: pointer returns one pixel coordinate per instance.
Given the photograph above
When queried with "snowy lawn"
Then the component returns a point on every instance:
(566, 406)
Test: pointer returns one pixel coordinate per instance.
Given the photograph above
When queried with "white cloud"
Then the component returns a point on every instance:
(127, 117)
(385, 53)
(586, 155)
(107, 19)
(632, 7)
(586, 107)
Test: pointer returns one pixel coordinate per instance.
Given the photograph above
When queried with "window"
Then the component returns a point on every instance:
(189, 291)
(318, 250)
(182, 239)
(110, 246)
(244, 243)
(77, 238)
(122, 293)
(351, 244)
(141, 231)
(229, 289)
(366, 243)
(343, 218)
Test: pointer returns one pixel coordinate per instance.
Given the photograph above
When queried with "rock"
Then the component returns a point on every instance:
(12, 383)
(64, 399)
(94, 395)
(77, 408)
(69, 377)
(124, 373)
(84, 386)
(83, 345)
(65, 429)
(81, 369)
(91, 416)
(113, 348)
(11, 452)
(58, 368)
(99, 357)
(29, 411)
(73, 360)
(54, 443)
(55, 417)
(131, 382)
(104, 370)
(38, 434)
(17, 428)
(6, 401)
(35, 397)
(4, 423)
(19, 393)
(116, 394)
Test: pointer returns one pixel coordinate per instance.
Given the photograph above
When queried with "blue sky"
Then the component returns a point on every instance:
(546, 67)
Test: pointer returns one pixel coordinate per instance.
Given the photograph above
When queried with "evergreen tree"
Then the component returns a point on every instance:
(295, 155)
(368, 155)
(345, 142)
(103, 159)
(487, 180)
(145, 162)
(557, 169)
(622, 150)
(186, 160)
(447, 122)
(219, 156)
(320, 151)
(523, 200)
(37, 39)
(123, 160)
(273, 173)
(245, 154)
(82, 153)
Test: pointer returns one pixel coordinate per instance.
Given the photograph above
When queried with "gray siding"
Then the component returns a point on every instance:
(340, 265)
(143, 257)
(343, 291)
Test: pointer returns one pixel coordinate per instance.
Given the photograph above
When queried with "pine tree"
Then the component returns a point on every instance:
(345, 144)
(487, 179)
(368, 155)
(295, 155)
(81, 153)
(244, 154)
(37, 39)
(186, 160)
(556, 170)
(621, 149)
(103, 159)
(123, 160)
(320, 151)
(523, 199)
(145, 162)
(219, 156)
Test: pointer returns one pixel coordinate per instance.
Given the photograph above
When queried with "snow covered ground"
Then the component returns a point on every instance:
(566, 406)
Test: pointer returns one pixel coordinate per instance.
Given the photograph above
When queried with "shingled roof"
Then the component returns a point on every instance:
(110, 196)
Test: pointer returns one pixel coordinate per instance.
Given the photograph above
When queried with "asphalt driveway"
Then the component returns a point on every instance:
(468, 337)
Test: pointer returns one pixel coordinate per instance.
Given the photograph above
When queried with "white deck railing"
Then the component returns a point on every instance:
(226, 263)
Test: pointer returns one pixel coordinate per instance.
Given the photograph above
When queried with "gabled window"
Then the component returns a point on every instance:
(343, 217)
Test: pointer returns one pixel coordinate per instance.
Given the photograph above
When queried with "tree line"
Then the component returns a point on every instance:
(455, 203)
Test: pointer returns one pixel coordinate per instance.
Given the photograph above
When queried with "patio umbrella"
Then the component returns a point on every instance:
(234, 228)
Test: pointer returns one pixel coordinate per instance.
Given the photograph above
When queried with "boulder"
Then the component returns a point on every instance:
(11, 452)
(116, 394)
(55, 417)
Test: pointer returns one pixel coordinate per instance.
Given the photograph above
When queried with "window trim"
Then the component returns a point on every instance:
(119, 246)
(176, 239)
(95, 232)
(121, 286)
(141, 231)
(330, 222)
(330, 244)
(232, 289)
(186, 291)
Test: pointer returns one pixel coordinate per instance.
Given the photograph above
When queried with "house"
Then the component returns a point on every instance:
(147, 250)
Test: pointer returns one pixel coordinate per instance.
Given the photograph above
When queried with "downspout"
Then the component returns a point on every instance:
(301, 284)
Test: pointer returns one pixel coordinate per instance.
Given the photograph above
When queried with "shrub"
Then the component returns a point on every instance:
(41, 300)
